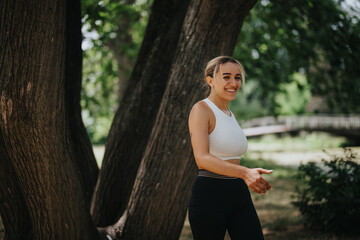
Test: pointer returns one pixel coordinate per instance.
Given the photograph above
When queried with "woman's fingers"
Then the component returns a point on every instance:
(265, 171)
(266, 184)
(261, 186)
(258, 189)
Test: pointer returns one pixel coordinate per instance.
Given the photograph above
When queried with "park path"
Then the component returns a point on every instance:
(294, 158)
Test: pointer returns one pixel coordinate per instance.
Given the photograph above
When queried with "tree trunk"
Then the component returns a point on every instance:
(36, 137)
(13, 210)
(85, 160)
(162, 189)
(135, 117)
(123, 38)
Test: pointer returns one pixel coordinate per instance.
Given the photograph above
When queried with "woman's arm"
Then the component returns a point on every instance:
(199, 124)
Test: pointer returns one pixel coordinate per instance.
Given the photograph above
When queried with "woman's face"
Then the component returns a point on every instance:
(227, 81)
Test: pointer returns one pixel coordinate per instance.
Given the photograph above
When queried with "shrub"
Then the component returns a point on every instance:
(330, 200)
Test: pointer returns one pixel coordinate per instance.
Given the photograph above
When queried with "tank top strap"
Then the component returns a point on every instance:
(217, 111)
(213, 107)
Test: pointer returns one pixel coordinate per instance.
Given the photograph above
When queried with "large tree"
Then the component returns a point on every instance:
(134, 120)
(47, 168)
(46, 178)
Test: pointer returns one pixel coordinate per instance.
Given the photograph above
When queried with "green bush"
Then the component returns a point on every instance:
(330, 200)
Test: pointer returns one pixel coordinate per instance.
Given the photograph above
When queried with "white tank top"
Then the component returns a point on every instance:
(227, 140)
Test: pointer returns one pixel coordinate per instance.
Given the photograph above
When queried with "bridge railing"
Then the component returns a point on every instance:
(318, 121)
(332, 123)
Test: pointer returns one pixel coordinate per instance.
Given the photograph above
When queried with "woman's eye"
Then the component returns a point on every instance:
(238, 78)
(226, 77)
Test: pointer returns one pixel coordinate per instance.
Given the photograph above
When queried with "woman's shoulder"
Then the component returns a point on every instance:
(201, 107)
(201, 112)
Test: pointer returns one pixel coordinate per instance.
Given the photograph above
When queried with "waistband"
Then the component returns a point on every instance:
(206, 173)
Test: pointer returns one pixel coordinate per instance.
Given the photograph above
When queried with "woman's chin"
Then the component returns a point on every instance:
(231, 97)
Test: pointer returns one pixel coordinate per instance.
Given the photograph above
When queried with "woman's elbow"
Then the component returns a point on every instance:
(201, 160)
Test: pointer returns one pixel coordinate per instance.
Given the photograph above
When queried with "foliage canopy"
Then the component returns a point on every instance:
(315, 39)
(291, 50)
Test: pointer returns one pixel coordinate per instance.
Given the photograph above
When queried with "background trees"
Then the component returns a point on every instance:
(294, 53)
(310, 44)
(113, 32)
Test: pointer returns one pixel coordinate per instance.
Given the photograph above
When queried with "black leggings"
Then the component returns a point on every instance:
(218, 205)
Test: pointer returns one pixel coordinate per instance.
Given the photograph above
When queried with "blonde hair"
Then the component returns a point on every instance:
(214, 65)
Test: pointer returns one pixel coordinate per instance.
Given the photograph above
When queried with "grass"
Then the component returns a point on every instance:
(302, 141)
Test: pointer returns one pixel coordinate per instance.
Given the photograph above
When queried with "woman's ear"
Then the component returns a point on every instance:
(210, 81)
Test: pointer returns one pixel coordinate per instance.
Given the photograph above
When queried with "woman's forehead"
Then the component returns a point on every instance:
(230, 68)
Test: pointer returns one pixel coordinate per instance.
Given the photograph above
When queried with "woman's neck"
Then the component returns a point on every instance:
(220, 103)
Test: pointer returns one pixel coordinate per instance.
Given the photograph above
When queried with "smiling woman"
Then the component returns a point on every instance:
(226, 82)
(220, 199)
(223, 64)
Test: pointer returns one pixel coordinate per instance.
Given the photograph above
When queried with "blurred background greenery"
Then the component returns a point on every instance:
(301, 57)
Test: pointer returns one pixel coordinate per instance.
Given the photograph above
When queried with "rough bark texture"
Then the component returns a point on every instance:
(33, 124)
(134, 120)
(87, 167)
(13, 210)
(162, 189)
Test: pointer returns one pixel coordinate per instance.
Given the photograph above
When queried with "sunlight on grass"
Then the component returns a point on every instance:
(292, 150)
(302, 142)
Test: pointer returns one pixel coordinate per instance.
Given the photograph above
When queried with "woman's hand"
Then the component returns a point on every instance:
(255, 181)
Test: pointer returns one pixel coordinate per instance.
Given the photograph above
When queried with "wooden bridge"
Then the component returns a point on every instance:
(345, 125)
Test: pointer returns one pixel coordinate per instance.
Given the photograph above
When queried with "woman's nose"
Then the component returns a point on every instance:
(232, 81)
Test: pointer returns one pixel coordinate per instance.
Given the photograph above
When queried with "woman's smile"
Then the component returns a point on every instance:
(231, 90)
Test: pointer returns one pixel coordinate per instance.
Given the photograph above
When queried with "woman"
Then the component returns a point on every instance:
(220, 199)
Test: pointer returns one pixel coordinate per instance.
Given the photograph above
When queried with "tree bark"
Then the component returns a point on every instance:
(135, 117)
(33, 124)
(159, 199)
(13, 210)
(87, 167)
